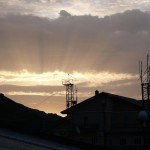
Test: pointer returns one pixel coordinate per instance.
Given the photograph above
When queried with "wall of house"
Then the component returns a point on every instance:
(89, 116)
(130, 140)
(125, 115)
(109, 121)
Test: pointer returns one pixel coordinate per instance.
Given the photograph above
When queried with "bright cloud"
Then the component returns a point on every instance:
(25, 78)
(60, 93)
(50, 8)
(47, 94)
(96, 79)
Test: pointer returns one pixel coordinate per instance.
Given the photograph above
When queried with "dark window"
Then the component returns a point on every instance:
(137, 140)
(122, 141)
(85, 121)
(94, 139)
(110, 141)
(126, 120)
(147, 141)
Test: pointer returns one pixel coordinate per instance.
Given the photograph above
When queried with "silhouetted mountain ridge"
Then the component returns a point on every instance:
(18, 116)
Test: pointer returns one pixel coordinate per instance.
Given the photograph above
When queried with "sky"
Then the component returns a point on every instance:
(97, 42)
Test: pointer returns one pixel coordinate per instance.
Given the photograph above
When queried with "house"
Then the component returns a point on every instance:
(109, 120)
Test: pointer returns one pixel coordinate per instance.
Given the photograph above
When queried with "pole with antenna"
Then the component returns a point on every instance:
(145, 80)
(71, 100)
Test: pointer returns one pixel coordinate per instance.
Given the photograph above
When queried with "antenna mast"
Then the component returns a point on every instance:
(145, 80)
(71, 93)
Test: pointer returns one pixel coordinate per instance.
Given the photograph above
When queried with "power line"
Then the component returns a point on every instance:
(44, 100)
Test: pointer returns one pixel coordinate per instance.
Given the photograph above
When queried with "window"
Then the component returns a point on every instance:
(85, 121)
(123, 141)
(94, 139)
(137, 140)
(110, 141)
(147, 141)
(126, 120)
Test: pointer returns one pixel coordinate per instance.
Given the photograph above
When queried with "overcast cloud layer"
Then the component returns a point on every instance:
(74, 43)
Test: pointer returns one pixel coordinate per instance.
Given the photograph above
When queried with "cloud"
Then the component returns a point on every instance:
(86, 43)
(25, 78)
(22, 93)
(50, 84)
(50, 8)
(64, 13)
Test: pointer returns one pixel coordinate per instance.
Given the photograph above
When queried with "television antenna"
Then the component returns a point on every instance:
(71, 92)
(145, 80)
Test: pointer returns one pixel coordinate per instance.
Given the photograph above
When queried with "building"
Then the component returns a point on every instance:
(109, 120)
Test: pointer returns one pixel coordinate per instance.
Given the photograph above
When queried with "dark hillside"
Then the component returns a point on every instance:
(17, 116)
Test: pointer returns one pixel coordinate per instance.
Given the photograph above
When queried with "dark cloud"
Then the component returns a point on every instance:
(64, 13)
(113, 43)
(129, 88)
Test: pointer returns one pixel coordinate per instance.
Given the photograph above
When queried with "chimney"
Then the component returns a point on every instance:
(96, 92)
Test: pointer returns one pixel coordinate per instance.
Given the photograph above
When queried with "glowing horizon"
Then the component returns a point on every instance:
(26, 78)
(56, 97)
